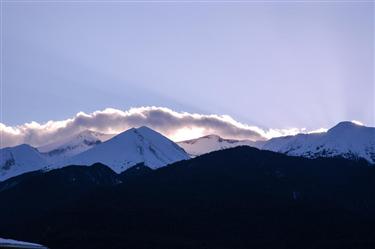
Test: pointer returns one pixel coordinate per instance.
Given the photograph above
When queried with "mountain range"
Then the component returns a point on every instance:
(144, 145)
(346, 139)
(142, 191)
(131, 147)
(234, 198)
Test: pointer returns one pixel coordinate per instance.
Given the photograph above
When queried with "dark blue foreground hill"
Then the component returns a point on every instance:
(236, 198)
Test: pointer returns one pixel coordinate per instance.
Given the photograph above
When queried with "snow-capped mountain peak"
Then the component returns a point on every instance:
(73, 145)
(209, 143)
(18, 160)
(136, 145)
(345, 126)
(346, 139)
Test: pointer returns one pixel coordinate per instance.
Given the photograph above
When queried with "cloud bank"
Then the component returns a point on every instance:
(177, 126)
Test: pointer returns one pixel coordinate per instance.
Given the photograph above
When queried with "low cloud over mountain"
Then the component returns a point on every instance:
(175, 125)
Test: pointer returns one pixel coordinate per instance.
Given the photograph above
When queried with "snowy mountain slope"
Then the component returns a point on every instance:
(18, 160)
(206, 144)
(141, 145)
(346, 139)
(72, 145)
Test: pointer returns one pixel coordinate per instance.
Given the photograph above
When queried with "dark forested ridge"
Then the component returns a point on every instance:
(235, 198)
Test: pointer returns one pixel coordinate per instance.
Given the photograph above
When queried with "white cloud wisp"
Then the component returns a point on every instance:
(175, 125)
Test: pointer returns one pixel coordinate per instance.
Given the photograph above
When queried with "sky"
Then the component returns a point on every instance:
(271, 65)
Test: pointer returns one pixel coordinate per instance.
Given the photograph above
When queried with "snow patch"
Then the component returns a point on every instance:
(19, 244)
(206, 144)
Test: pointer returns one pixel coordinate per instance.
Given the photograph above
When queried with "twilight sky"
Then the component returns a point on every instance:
(271, 65)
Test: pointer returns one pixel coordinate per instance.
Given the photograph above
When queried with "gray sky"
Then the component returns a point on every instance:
(273, 65)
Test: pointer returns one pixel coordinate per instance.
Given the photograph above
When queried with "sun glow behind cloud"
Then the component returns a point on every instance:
(187, 133)
(177, 126)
